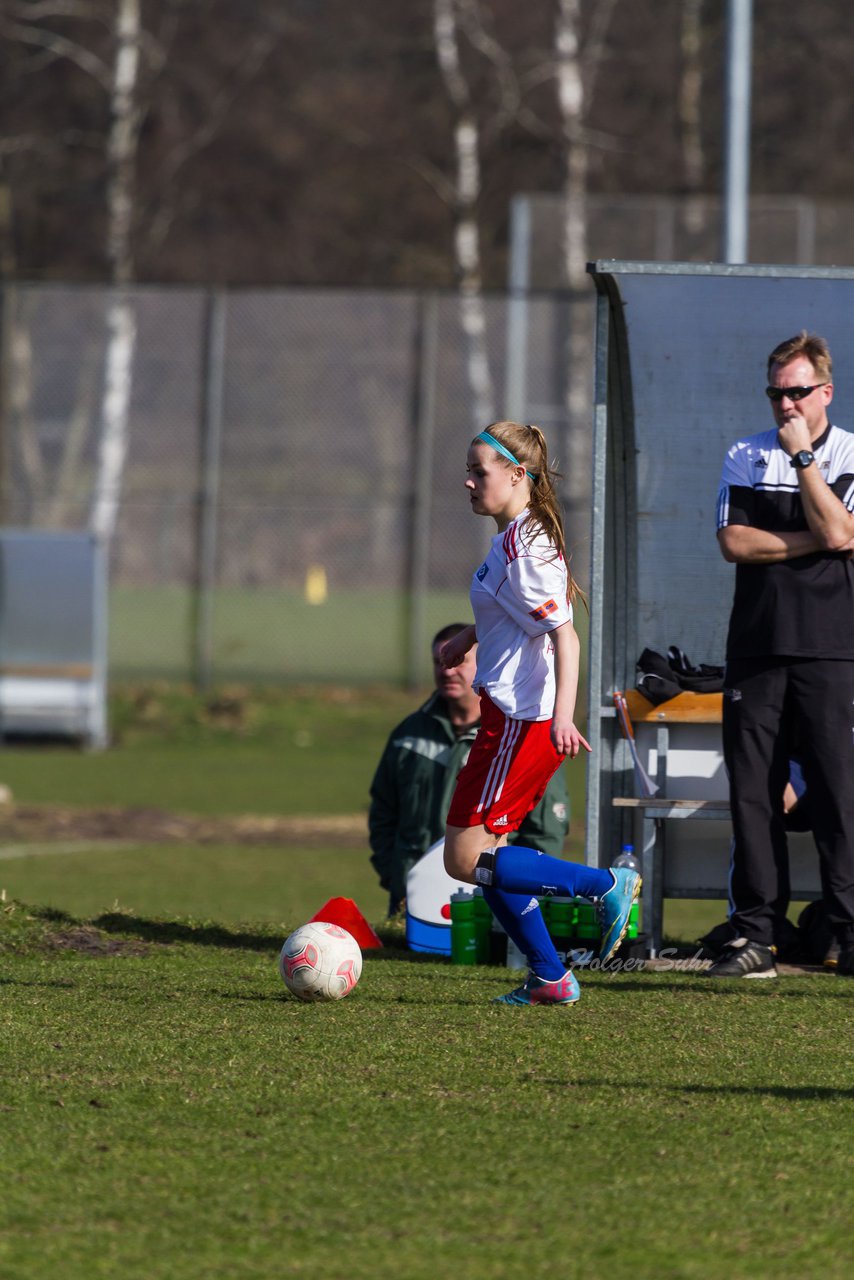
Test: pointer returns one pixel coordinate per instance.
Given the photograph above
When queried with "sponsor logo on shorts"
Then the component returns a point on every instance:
(500, 822)
(543, 611)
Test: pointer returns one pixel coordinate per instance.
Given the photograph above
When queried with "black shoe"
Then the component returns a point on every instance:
(716, 941)
(831, 956)
(744, 959)
(845, 963)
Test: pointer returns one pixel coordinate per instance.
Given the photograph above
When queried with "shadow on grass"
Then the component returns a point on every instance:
(210, 934)
(727, 988)
(201, 935)
(788, 1093)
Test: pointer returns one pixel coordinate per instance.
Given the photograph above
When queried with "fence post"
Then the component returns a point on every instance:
(424, 424)
(519, 284)
(207, 494)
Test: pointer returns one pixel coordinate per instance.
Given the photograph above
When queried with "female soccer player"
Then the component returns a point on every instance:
(527, 678)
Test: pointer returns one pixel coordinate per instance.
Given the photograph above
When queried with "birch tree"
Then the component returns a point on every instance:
(31, 25)
(466, 190)
(690, 98)
(121, 319)
(577, 62)
(107, 43)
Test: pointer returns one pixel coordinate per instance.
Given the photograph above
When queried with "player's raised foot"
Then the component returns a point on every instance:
(743, 959)
(536, 990)
(614, 908)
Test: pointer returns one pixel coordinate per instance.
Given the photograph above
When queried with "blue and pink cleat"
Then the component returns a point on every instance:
(614, 907)
(536, 990)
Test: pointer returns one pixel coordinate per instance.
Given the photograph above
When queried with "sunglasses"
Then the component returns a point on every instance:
(791, 393)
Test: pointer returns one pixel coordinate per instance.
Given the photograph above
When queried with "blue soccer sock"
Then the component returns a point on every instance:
(522, 920)
(519, 870)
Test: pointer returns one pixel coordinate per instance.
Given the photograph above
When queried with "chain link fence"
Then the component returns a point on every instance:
(291, 504)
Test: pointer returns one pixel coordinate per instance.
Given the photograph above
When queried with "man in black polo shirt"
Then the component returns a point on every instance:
(785, 520)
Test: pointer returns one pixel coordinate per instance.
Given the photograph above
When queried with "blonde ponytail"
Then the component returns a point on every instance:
(528, 445)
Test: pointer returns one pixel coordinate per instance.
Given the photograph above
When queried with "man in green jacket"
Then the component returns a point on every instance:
(415, 778)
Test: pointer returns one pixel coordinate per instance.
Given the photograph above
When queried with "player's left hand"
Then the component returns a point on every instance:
(566, 739)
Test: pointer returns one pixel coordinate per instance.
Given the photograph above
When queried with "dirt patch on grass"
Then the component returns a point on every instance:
(90, 941)
(40, 823)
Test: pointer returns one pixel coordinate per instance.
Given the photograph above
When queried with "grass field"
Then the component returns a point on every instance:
(169, 1113)
(289, 751)
(274, 634)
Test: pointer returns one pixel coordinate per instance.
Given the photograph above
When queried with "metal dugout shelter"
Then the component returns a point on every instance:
(680, 371)
(53, 635)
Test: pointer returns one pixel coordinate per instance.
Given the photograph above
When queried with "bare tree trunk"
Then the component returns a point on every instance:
(121, 319)
(18, 407)
(466, 193)
(690, 98)
(7, 311)
(67, 484)
(576, 71)
(576, 449)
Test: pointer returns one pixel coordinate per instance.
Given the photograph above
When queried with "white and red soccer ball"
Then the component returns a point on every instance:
(320, 961)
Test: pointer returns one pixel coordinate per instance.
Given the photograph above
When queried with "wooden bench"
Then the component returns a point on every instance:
(657, 810)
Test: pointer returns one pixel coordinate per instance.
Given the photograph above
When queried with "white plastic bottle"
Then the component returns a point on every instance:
(626, 858)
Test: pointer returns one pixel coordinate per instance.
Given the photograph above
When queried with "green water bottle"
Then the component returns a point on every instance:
(587, 927)
(463, 928)
(482, 927)
(561, 921)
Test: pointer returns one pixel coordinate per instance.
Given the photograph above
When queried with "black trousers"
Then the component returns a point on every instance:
(768, 704)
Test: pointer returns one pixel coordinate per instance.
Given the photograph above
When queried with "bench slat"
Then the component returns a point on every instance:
(47, 671)
(685, 708)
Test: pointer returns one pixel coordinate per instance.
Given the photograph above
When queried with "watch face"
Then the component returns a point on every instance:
(803, 458)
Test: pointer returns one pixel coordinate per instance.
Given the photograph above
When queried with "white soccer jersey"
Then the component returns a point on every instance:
(519, 597)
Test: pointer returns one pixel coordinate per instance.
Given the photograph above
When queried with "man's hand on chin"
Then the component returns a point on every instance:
(794, 434)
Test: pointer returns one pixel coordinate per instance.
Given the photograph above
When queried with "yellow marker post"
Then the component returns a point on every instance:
(316, 586)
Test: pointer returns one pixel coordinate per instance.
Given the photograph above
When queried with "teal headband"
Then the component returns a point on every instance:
(499, 448)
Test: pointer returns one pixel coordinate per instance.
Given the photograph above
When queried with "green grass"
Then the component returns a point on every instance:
(241, 750)
(233, 884)
(272, 750)
(273, 634)
(227, 883)
(168, 1112)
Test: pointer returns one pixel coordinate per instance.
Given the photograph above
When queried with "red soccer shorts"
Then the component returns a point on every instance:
(508, 769)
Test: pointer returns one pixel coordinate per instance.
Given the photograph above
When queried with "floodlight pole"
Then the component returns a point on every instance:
(737, 140)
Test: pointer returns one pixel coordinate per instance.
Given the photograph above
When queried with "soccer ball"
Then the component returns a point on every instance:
(320, 961)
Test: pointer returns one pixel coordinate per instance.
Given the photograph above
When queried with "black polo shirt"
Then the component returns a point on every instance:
(796, 608)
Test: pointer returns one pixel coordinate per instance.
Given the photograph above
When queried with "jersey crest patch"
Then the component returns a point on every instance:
(482, 572)
(540, 614)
